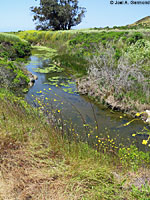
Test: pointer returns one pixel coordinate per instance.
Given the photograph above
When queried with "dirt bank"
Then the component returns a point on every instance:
(90, 87)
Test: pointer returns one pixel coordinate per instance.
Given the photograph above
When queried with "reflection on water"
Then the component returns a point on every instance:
(60, 89)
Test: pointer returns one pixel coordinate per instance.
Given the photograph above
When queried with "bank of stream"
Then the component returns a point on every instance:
(57, 90)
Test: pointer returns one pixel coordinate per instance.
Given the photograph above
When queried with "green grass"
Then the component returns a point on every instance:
(13, 50)
(42, 159)
(53, 39)
(13, 76)
(12, 47)
(6, 37)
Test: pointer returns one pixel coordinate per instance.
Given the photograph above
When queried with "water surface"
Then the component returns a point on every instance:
(60, 90)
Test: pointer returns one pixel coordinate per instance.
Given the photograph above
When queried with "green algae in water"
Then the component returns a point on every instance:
(47, 70)
(64, 85)
(47, 83)
(34, 63)
(70, 90)
(54, 79)
(43, 52)
(70, 82)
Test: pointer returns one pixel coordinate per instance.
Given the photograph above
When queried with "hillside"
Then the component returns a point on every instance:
(142, 22)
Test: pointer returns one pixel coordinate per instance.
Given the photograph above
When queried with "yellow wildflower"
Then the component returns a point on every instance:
(144, 142)
(55, 100)
(138, 114)
(96, 136)
(58, 111)
(121, 117)
(126, 124)
(133, 135)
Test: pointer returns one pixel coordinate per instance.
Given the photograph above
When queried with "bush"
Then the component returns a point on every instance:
(12, 47)
(117, 54)
(22, 49)
(12, 76)
(135, 37)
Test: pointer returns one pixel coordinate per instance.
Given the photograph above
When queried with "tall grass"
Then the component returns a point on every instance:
(53, 39)
(5, 37)
(34, 155)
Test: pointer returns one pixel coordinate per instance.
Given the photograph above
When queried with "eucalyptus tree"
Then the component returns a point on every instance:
(57, 14)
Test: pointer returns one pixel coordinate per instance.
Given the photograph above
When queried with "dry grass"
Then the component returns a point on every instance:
(25, 174)
(144, 21)
(32, 164)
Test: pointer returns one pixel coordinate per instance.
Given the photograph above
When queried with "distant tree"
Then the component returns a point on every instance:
(57, 14)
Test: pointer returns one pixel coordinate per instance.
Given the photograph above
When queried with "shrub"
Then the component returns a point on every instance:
(22, 49)
(12, 47)
(135, 37)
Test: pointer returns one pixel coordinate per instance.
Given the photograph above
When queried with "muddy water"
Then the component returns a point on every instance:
(58, 89)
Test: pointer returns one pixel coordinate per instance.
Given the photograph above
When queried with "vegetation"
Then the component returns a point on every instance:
(4, 37)
(12, 47)
(12, 75)
(144, 22)
(58, 15)
(36, 155)
(118, 61)
(42, 158)
(123, 70)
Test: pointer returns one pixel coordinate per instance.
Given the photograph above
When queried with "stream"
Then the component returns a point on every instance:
(58, 89)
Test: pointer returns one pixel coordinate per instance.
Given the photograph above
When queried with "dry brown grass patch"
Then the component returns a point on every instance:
(22, 177)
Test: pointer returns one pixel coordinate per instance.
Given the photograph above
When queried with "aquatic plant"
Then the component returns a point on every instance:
(44, 52)
(51, 69)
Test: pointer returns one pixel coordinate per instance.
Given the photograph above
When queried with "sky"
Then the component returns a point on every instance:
(16, 15)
